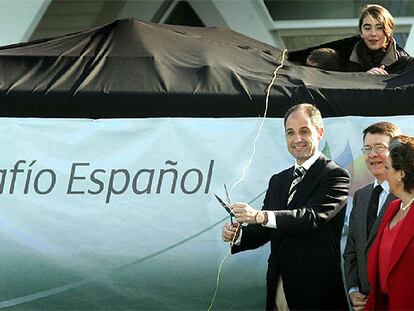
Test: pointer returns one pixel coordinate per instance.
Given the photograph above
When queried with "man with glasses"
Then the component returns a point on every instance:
(368, 207)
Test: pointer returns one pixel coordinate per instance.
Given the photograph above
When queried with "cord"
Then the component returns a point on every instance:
(269, 87)
(249, 162)
(218, 279)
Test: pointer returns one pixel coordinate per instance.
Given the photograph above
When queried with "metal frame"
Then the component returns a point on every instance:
(346, 27)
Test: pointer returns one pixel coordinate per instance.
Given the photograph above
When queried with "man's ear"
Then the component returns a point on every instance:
(320, 133)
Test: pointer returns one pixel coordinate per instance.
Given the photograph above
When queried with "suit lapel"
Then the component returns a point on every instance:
(286, 186)
(373, 257)
(374, 230)
(404, 236)
(364, 206)
(387, 202)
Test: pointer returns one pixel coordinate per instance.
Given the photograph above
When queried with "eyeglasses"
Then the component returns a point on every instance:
(377, 148)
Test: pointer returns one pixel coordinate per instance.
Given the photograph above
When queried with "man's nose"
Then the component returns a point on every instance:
(297, 138)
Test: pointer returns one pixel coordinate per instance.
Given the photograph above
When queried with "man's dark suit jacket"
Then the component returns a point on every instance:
(305, 246)
(358, 243)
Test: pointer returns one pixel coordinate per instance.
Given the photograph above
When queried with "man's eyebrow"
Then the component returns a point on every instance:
(301, 128)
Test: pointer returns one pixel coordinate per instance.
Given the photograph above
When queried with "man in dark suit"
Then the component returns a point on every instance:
(367, 211)
(302, 217)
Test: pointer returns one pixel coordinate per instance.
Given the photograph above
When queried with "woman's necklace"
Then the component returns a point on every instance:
(403, 208)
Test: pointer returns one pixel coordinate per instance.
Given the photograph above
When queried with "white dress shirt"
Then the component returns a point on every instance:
(271, 218)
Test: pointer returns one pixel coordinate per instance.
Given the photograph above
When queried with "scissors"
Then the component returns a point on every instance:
(226, 205)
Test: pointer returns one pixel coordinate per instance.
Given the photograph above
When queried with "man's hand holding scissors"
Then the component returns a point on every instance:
(231, 232)
(244, 213)
(231, 229)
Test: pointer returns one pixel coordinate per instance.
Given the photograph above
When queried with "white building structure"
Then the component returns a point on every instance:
(293, 24)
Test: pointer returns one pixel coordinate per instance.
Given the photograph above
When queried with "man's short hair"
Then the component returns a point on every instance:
(325, 58)
(311, 110)
(383, 128)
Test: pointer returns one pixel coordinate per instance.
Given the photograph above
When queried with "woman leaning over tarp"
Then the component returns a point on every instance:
(377, 52)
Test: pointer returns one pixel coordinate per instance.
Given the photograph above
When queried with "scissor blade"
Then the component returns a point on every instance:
(227, 194)
(225, 205)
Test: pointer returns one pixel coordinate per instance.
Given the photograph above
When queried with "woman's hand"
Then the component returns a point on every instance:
(378, 70)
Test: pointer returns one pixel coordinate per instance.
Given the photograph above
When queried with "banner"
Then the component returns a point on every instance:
(121, 214)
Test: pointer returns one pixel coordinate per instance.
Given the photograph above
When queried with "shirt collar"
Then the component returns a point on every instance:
(309, 162)
(384, 185)
(390, 57)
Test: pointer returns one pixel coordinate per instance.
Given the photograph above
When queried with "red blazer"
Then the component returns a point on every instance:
(400, 279)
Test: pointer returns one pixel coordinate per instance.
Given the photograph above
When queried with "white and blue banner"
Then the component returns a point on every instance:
(121, 214)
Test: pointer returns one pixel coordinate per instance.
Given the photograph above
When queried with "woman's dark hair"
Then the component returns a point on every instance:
(402, 158)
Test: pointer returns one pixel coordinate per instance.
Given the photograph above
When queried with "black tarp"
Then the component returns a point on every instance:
(132, 69)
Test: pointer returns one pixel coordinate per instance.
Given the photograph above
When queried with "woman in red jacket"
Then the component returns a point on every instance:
(391, 257)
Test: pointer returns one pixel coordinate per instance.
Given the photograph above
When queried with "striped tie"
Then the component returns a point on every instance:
(297, 177)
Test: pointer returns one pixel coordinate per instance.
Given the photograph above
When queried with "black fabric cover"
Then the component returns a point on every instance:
(133, 69)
